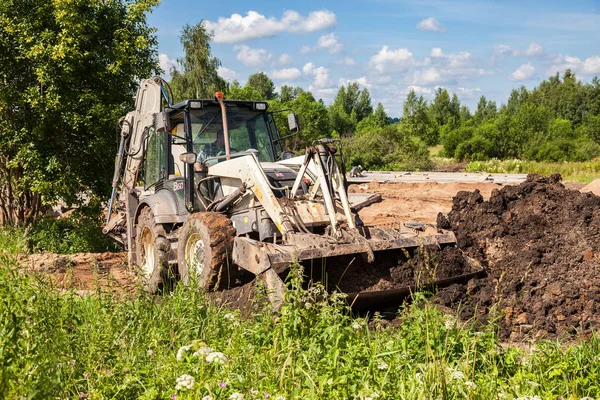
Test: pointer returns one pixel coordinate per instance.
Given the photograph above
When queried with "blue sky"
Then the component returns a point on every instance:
(472, 48)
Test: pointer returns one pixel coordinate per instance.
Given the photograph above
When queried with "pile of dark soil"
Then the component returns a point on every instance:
(540, 243)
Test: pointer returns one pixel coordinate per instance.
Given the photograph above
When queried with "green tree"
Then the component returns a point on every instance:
(237, 92)
(415, 118)
(196, 74)
(364, 108)
(68, 71)
(263, 85)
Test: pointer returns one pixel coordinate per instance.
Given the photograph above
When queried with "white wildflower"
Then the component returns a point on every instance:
(217, 357)
(181, 352)
(203, 351)
(383, 365)
(150, 353)
(236, 396)
(471, 385)
(185, 382)
(307, 305)
(229, 316)
(419, 376)
(280, 398)
(458, 375)
(208, 397)
(356, 325)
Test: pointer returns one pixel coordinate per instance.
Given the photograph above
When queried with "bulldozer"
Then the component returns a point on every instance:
(203, 189)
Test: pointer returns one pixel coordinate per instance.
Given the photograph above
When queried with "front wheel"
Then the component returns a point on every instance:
(152, 247)
(204, 251)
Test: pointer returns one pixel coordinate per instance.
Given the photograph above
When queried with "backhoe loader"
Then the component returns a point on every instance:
(203, 189)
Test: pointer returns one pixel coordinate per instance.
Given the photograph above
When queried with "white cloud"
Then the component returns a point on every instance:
(305, 49)
(252, 58)
(320, 75)
(330, 43)
(285, 59)
(468, 92)
(431, 24)
(589, 66)
(437, 52)
(534, 49)
(418, 90)
(166, 63)
(387, 59)
(427, 77)
(362, 81)
(226, 73)
(524, 72)
(349, 62)
(501, 49)
(286, 74)
(238, 28)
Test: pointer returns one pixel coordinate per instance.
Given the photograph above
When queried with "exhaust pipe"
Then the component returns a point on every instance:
(219, 98)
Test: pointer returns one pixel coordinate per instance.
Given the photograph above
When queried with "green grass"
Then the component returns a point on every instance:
(434, 151)
(105, 346)
(583, 172)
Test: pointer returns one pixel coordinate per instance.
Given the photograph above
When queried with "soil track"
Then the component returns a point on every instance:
(413, 201)
(540, 243)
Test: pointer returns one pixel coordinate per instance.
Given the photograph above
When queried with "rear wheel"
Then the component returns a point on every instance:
(204, 251)
(152, 248)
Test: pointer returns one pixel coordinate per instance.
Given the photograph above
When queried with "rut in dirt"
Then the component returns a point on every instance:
(540, 244)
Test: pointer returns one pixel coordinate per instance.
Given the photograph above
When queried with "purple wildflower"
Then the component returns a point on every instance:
(223, 384)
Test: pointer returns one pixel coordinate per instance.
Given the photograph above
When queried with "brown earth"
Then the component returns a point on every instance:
(540, 243)
(413, 201)
(85, 272)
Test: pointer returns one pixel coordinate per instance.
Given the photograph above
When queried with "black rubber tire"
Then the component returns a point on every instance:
(208, 236)
(151, 237)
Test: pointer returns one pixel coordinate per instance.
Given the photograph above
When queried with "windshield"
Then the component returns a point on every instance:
(247, 130)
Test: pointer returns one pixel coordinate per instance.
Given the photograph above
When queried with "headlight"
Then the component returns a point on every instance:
(260, 106)
(195, 104)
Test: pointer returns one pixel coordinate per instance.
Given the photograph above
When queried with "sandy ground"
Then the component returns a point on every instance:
(413, 201)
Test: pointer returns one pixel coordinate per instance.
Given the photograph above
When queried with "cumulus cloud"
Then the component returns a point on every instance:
(524, 72)
(166, 63)
(387, 59)
(305, 49)
(589, 66)
(534, 49)
(286, 74)
(468, 92)
(320, 75)
(253, 25)
(330, 43)
(285, 59)
(252, 58)
(427, 77)
(226, 73)
(349, 62)
(362, 81)
(431, 24)
(418, 90)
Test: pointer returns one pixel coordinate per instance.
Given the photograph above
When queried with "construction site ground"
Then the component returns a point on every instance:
(538, 239)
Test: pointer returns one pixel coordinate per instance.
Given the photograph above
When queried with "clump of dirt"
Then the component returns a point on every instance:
(540, 243)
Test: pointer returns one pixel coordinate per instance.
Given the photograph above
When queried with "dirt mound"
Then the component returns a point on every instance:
(539, 242)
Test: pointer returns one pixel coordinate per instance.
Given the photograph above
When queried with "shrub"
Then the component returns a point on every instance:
(388, 148)
(79, 232)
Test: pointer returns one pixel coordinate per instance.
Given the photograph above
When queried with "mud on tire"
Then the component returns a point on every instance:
(204, 251)
(152, 252)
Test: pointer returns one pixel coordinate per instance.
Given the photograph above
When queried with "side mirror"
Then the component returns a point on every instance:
(286, 155)
(188, 158)
(293, 122)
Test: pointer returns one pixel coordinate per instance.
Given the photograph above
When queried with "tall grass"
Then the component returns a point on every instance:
(106, 346)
